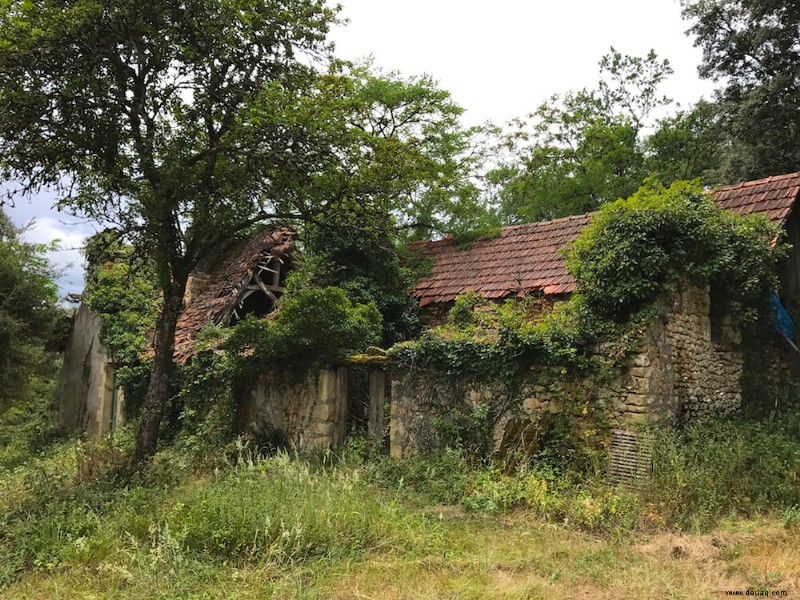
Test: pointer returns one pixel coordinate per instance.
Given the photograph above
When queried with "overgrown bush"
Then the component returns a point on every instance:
(635, 249)
(724, 467)
(439, 479)
(363, 262)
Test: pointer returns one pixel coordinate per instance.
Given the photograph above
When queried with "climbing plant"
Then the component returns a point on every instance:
(632, 251)
(120, 287)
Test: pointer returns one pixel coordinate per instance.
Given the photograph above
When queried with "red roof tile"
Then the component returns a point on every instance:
(522, 258)
(772, 197)
(215, 293)
(527, 258)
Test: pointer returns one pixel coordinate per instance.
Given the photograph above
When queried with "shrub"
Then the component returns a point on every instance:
(634, 249)
(732, 466)
(314, 326)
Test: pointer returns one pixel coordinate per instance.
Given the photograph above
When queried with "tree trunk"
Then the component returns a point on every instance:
(160, 373)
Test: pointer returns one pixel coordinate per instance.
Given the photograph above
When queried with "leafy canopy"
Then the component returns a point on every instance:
(752, 47)
(28, 310)
(581, 149)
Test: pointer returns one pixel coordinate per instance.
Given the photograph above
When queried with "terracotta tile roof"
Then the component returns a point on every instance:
(216, 292)
(772, 197)
(526, 258)
(522, 258)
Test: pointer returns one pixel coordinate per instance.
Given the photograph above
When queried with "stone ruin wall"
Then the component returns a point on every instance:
(87, 380)
(420, 398)
(684, 369)
(308, 414)
(681, 371)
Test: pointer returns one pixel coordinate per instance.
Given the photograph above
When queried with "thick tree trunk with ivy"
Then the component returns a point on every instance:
(183, 124)
(160, 373)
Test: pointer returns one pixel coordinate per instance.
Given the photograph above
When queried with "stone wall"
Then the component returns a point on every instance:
(88, 395)
(421, 400)
(309, 415)
(681, 370)
(684, 369)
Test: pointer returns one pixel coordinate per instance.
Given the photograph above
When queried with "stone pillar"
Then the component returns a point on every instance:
(328, 424)
(377, 396)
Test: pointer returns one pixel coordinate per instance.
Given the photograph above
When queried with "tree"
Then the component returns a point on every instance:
(753, 48)
(149, 114)
(582, 149)
(688, 145)
(421, 153)
(28, 310)
(182, 123)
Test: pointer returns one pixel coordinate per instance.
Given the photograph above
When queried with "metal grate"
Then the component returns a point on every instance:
(631, 457)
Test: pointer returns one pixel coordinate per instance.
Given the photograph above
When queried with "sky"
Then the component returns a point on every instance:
(499, 60)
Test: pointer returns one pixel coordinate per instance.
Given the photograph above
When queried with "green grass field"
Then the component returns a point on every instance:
(75, 523)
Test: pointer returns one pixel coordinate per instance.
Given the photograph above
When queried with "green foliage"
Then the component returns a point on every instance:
(364, 262)
(123, 291)
(718, 468)
(314, 326)
(424, 159)
(635, 249)
(448, 478)
(594, 506)
(30, 425)
(77, 506)
(688, 145)
(463, 312)
(501, 341)
(752, 47)
(28, 313)
(581, 149)
(464, 239)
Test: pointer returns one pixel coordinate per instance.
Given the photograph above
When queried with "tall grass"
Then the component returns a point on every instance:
(79, 505)
(283, 510)
(274, 510)
(720, 468)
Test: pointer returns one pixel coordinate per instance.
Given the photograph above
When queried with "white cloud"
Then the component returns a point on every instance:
(67, 257)
(501, 59)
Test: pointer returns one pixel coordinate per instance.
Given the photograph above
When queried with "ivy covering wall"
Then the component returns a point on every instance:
(633, 251)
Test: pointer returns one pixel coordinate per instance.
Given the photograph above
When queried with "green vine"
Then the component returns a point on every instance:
(633, 252)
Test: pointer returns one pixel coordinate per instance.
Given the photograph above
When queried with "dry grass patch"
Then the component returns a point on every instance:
(520, 557)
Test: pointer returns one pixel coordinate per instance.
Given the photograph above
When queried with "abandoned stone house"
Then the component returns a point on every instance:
(247, 280)
(683, 368)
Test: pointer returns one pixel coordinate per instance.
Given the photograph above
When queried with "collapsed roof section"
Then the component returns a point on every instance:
(526, 259)
(247, 280)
